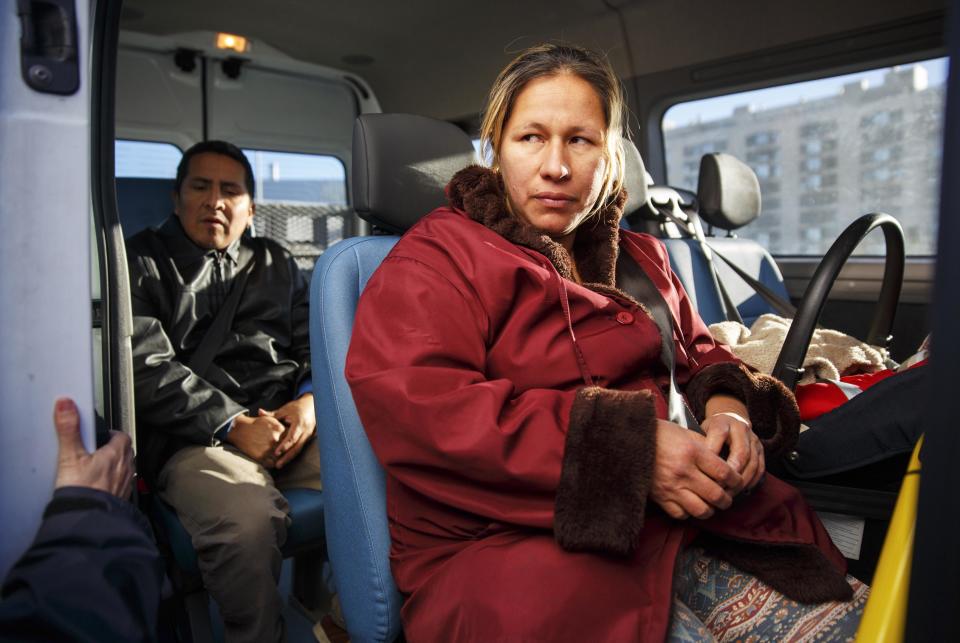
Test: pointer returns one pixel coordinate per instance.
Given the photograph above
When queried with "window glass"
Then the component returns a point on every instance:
(146, 160)
(301, 201)
(825, 152)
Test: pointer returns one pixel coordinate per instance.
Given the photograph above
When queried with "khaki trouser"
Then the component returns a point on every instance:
(237, 518)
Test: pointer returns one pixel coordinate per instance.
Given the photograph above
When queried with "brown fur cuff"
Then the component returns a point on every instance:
(799, 572)
(606, 472)
(772, 408)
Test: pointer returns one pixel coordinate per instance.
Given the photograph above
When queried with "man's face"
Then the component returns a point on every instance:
(213, 203)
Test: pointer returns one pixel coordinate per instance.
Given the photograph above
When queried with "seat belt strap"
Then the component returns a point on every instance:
(213, 339)
(632, 280)
(778, 303)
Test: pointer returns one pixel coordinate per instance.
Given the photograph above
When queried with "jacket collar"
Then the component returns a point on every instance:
(479, 192)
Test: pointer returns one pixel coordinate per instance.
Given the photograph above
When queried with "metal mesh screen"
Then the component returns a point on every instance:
(305, 230)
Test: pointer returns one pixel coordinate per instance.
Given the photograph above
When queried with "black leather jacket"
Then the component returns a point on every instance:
(176, 292)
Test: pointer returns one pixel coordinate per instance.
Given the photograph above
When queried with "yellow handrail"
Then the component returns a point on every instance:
(885, 616)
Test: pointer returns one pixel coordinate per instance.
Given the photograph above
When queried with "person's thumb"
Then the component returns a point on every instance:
(66, 420)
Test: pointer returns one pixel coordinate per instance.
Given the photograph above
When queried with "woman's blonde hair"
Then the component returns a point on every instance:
(550, 60)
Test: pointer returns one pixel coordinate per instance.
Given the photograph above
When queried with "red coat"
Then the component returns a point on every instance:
(515, 410)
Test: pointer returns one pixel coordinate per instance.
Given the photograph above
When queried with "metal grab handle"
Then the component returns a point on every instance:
(790, 362)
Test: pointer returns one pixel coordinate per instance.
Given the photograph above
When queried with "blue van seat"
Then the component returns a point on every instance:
(728, 197)
(692, 266)
(358, 538)
(728, 193)
(401, 164)
(753, 259)
(143, 203)
(643, 212)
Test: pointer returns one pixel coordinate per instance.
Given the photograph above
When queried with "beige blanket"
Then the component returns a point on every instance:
(831, 353)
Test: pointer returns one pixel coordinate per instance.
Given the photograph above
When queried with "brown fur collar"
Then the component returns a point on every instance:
(479, 192)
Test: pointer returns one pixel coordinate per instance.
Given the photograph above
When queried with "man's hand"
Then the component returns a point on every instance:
(689, 479)
(257, 437)
(727, 425)
(110, 468)
(301, 422)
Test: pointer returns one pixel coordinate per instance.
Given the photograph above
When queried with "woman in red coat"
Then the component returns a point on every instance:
(517, 398)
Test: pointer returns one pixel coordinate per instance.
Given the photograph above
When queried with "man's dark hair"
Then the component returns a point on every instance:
(216, 147)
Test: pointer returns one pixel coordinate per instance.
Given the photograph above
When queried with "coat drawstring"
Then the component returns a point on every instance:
(581, 361)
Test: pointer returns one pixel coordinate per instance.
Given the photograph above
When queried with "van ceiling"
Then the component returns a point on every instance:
(439, 57)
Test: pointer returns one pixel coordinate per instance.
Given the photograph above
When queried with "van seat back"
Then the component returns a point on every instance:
(401, 164)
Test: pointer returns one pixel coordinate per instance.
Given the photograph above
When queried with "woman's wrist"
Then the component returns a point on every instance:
(725, 403)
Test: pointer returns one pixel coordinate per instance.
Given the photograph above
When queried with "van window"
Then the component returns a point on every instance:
(146, 159)
(301, 198)
(825, 152)
(301, 201)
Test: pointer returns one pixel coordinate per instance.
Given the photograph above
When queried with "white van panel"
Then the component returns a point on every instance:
(44, 280)
(266, 109)
(155, 100)
(276, 103)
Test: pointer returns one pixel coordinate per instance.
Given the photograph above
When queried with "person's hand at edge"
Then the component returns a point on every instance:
(110, 468)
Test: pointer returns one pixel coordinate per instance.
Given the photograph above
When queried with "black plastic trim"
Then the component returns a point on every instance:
(118, 411)
(789, 366)
(849, 501)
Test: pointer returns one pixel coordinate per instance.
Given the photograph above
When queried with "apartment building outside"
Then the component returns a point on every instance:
(823, 162)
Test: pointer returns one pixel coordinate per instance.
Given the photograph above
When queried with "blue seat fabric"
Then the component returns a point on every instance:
(695, 273)
(754, 260)
(143, 203)
(353, 480)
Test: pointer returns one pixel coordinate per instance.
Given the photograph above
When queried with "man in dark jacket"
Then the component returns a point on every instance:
(221, 362)
(93, 572)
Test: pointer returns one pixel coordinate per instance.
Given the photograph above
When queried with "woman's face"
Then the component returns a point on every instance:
(551, 153)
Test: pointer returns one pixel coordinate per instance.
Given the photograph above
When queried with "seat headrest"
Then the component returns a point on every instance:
(634, 178)
(728, 192)
(401, 164)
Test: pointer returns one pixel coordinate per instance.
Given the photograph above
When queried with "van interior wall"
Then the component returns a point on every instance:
(439, 59)
(264, 104)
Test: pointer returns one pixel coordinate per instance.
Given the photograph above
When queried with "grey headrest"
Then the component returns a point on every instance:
(634, 178)
(728, 192)
(401, 164)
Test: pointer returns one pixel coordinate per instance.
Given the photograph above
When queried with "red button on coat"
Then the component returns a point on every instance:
(624, 318)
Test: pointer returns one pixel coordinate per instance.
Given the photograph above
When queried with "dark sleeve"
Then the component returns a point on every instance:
(300, 321)
(93, 573)
(170, 396)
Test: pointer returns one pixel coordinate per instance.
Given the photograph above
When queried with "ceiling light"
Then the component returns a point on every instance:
(230, 41)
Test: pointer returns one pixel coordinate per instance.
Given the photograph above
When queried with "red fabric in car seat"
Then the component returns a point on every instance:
(819, 397)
